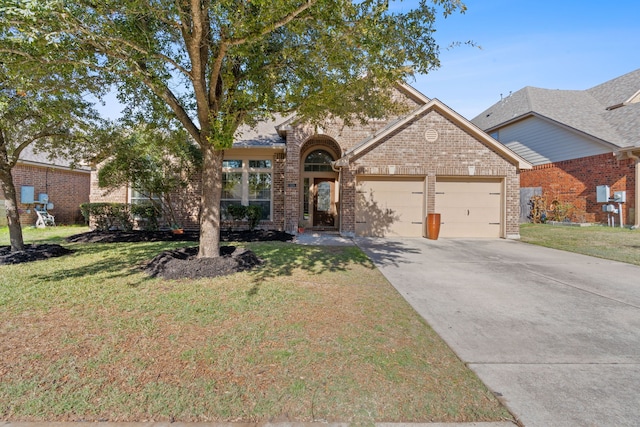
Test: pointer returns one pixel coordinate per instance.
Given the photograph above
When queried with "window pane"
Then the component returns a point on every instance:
(232, 185)
(266, 208)
(319, 156)
(324, 197)
(140, 197)
(259, 186)
(232, 164)
(305, 203)
(261, 164)
(318, 161)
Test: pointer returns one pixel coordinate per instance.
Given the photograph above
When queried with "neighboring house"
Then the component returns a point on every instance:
(576, 140)
(378, 179)
(66, 188)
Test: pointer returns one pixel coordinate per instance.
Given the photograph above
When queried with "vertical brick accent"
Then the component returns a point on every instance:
(575, 181)
(67, 189)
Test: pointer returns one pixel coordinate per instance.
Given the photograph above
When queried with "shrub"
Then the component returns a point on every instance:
(149, 215)
(237, 212)
(254, 215)
(108, 216)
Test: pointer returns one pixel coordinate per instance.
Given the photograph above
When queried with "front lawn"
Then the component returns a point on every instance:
(614, 243)
(316, 334)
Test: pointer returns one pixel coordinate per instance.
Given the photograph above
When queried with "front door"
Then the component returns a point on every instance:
(324, 205)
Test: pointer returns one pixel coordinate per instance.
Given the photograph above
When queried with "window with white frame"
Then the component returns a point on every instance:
(139, 197)
(247, 182)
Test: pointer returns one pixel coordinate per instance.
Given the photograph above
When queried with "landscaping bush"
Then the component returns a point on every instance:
(148, 214)
(108, 216)
(254, 215)
(237, 212)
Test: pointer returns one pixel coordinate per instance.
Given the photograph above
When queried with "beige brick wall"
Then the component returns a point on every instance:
(454, 153)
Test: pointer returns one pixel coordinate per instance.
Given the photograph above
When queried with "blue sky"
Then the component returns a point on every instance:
(552, 44)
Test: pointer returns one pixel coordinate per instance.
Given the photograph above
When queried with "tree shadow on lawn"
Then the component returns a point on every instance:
(113, 260)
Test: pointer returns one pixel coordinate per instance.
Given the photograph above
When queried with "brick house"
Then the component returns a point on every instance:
(576, 140)
(377, 179)
(65, 187)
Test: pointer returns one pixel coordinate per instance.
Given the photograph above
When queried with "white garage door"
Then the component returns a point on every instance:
(390, 207)
(469, 208)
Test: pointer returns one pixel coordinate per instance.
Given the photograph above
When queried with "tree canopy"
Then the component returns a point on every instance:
(46, 112)
(212, 65)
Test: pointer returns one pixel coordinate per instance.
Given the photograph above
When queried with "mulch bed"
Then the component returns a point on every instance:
(31, 253)
(183, 264)
(173, 264)
(188, 236)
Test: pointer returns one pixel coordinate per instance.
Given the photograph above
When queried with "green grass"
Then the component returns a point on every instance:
(614, 243)
(316, 334)
(43, 235)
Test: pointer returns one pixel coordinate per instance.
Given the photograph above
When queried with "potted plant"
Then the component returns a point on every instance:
(301, 225)
(177, 229)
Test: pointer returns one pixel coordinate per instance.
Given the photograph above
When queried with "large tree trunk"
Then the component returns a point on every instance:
(210, 202)
(11, 206)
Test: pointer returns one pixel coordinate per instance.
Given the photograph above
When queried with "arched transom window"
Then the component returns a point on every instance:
(318, 161)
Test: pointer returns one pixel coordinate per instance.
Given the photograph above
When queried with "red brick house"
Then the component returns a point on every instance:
(378, 179)
(576, 140)
(66, 188)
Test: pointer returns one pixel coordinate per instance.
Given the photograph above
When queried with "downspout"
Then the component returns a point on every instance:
(636, 213)
(337, 167)
(339, 170)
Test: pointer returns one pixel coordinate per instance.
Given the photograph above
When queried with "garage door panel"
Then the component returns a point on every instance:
(466, 229)
(469, 208)
(386, 207)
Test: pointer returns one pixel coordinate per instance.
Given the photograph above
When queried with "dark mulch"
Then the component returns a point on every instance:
(174, 264)
(188, 236)
(31, 253)
(183, 264)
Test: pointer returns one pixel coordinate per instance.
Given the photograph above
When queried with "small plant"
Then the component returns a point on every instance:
(538, 213)
(254, 215)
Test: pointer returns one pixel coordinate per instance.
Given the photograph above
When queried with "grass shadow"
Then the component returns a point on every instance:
(111, 260)
(282, 259)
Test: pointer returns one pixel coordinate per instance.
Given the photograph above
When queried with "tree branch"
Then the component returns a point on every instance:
(273, 26)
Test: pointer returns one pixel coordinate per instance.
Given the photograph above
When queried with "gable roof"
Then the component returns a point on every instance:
(443, 109)
(609, 112)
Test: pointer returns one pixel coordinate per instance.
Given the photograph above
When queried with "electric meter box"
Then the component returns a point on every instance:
(620, 196)
(602, 194)
(26, 194)
(609, 208)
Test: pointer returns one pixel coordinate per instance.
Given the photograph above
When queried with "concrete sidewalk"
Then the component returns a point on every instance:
(555, 334)
(322, 238)
(283, 424)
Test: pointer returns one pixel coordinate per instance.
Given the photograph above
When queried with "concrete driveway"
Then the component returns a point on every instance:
(556, 335)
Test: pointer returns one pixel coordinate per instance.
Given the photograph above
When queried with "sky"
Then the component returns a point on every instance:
(551, 44)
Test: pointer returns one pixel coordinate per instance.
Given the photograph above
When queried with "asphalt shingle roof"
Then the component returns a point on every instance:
(262, 134)
(583, 110)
